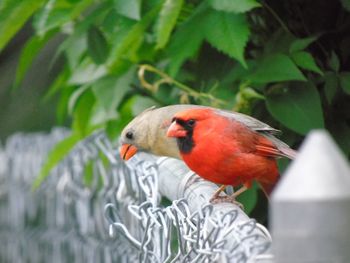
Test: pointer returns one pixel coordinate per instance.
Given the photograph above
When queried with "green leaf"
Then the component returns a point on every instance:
(57, 154)
(340, 132)
(56, 13)
(346, 4)
(89, 173)
(304, 60)
(275, 68)
(75, 46)
(301, 43)
(74, 97)
(190, 32)
(87, 72)
(82, 113)
(109, 92)
(334, 62)
(28, 53)
(278, 42)
(131, 40)
(145, 52)
(167, 21)
(49, 18)
(235, 6)
(57, 84)
(330, 86)
(345, 81)
(97, 45)
(228, 33)
(62, 104)
(13, 15)
(298, 107)
(248, 93)
(3, 4)
(130, 8)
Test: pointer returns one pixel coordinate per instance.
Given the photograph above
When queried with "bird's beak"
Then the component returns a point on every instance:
(127, 151)
(176, 130)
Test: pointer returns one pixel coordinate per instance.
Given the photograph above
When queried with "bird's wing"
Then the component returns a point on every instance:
(269, 145)
(249, 121)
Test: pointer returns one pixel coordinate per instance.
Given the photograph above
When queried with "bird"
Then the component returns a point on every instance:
(147, 132)
(229, 148)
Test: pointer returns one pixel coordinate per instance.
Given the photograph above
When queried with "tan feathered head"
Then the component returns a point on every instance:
(147, 132)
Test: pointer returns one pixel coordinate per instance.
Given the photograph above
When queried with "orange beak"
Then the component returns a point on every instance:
(127, 151)
(176, 130)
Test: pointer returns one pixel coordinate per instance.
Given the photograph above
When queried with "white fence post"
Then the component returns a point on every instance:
(310, 209)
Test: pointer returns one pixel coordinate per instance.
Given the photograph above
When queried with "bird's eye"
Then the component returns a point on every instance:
(129, 135)
(191, 122)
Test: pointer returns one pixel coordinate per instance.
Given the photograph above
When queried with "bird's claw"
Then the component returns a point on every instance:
(226, 199)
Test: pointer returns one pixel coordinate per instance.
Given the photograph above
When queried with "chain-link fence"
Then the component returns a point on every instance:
(96, 208)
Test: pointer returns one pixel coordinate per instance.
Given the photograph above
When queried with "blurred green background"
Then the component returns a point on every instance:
(96, 64)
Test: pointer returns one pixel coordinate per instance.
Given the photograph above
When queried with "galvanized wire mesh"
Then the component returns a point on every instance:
(95, 208)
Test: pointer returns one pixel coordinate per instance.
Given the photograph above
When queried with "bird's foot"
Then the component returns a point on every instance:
(226, 199)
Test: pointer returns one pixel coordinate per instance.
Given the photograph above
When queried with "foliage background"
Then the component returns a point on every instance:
(95, 64)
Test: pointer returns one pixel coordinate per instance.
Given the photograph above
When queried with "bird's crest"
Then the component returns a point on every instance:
(196, 114)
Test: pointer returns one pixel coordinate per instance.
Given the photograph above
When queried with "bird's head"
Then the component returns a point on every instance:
(134, 136)
(128, 148)
(184, 124)
(147, 132)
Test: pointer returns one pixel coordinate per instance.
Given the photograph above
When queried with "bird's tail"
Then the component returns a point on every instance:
(288, 152)
(267, 188)
(269, 185)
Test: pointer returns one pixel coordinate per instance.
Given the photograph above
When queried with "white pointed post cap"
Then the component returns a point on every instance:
(319, 172)
(310, 207)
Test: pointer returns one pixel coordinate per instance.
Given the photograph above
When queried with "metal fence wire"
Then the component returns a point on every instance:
(95, 208)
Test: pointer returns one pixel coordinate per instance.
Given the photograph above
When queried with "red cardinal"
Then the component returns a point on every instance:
(229, 148)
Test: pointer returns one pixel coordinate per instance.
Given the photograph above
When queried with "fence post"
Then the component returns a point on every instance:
(310, 209)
